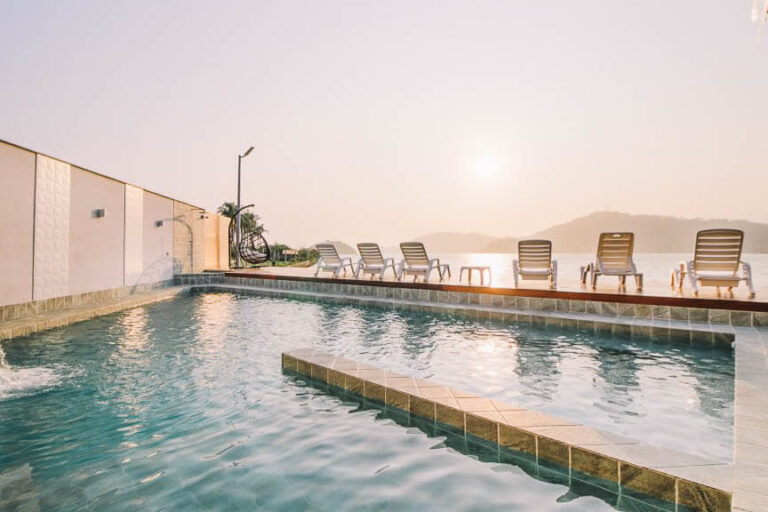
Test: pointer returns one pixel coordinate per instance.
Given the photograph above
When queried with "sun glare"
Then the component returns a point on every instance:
(486, 166)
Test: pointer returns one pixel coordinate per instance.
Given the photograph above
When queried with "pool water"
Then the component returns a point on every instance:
(182, 405)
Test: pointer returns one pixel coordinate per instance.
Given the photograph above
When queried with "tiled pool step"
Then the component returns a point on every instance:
(671, 476)
(673, 330)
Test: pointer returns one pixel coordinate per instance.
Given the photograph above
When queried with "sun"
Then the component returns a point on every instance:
(486, 166)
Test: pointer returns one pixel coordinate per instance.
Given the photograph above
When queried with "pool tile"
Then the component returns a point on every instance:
(553, 451)
(594, 464)
(741, 318)
(664, 313)
(303, 367)
(719, 316)
(336, 378)
(435, 392)
(318, 372)
(341, 363)
(449, 416)
(532, 419)
(373, 391)
(516, 439)
(648, 482)
(760, 319)
(377, 376)
(397, 398)
(698, 315)
(715, 476)
(650, 456)
(643, 311)
(289, 362)
(423, 408)
(481, 427)
(353, 385)
(476, 404)
(577, 306)
(401, 382)
(505, 406)
(581, 435)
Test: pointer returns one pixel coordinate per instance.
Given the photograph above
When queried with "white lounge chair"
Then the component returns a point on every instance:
(330, 261)
(372, 262)
(417, 263)
(614, 258)
(535, 262)
(716, 261)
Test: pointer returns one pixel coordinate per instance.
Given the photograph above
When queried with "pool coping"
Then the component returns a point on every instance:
(586, 295)
(668, 475)
(64, 316)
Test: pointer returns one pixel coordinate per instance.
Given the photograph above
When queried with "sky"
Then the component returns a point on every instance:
(384, 121)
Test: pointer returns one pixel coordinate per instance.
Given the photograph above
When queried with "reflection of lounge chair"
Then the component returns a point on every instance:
(372, 262)
(330, 261)
(534, 261)
(614, 258)
(417, 263)
(716, 261)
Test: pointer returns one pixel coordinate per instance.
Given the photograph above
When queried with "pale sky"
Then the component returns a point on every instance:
(382, 120)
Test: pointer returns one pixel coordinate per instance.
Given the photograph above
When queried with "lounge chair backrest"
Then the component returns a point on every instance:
(614, 251)
(718, 250)
(534, 254)
(370, 253)
(414, 253)
(328, 253)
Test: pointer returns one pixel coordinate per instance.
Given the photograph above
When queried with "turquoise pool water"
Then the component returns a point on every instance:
(182, 405)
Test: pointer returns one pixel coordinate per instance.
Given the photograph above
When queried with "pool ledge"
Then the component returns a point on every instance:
(668, 475)
(35, 322)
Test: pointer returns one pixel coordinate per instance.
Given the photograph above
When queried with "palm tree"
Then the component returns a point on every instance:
(248, 220)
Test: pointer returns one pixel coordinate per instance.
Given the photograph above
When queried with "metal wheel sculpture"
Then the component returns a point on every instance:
(253, 247)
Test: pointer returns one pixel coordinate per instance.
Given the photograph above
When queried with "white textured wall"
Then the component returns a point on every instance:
(51, 258)
(134, 234)
(17, 215)
(95, 243)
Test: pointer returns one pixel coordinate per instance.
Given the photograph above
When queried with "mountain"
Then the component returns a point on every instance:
(653, 233)
(456, 242)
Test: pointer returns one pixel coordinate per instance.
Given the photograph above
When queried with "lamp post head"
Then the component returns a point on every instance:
(248, 152)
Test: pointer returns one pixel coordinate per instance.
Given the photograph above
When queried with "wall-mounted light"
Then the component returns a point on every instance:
(203, 215)
(159, 224)
(99, 213)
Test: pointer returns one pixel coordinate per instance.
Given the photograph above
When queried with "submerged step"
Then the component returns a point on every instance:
(668, 475)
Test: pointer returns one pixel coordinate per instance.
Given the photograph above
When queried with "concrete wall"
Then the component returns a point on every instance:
(17, 215)
(95, 243)
(53, 243)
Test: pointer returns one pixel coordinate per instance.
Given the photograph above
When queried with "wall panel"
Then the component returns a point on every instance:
(134, 234)
(51, 256)
(17, 214)
(157, 238)
(95, 243)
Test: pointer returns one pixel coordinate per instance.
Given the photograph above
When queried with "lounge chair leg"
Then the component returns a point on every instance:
(746, 269)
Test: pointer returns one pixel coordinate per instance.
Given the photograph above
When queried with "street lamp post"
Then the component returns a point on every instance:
(239, 159)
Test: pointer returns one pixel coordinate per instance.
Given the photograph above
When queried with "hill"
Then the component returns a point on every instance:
(653, 233)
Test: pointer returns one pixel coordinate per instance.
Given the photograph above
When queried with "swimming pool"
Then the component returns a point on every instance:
(182, 405)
